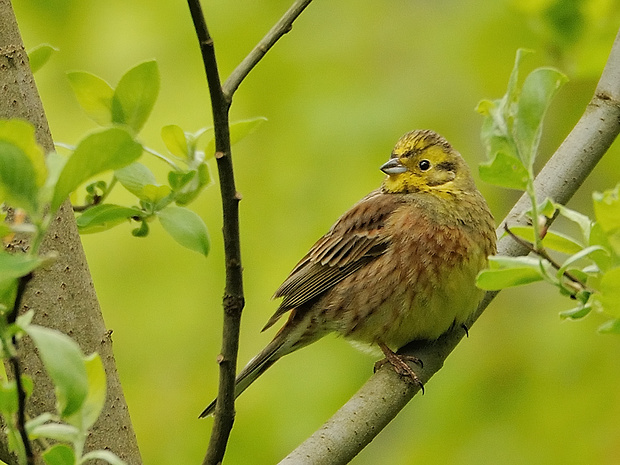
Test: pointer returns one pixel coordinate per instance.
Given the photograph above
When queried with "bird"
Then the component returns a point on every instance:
(399, 266)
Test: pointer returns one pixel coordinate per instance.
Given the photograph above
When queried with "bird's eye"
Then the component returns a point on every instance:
(424, 165)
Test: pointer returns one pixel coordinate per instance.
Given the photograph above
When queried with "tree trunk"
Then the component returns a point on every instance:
(62, 295)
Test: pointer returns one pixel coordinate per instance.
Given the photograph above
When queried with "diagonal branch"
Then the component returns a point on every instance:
(377, 402)
(283, 26)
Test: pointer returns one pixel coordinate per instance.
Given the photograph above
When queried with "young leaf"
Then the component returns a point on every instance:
(64, 364)
(576, 313)
(59, 454)
(494, 280)
(94, 96)
(22, 165)
(8, 398)
(538, 90)
(13, 266)
(88, 414)
(610, 327)
(104, 455)
(135, 95)
(552, 240)
(135, 177)
(175, 140)
(238, 131)
(504, 170)
(39, 55)
(109, 149)
(609, 296)
(185, 227)
(607, 209)
(56, 431)
(195, 185)
(102, 217)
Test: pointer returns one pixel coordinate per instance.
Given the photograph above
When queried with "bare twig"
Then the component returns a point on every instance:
(233, 293)
(21, 409)
(221, 98)
(283, 26)
(357, 423)
(17, 371)
(542, 253)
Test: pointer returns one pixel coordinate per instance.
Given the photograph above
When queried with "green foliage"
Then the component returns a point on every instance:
(103, 150)
(590, 271)
(40, 55)
(129, 105)
(186, 228)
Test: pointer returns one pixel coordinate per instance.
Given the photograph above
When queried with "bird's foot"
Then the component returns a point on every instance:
(399, 363)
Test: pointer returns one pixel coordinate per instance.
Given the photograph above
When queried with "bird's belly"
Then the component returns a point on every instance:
(420, 310)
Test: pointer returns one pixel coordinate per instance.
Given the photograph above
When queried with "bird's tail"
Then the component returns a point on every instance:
(255, 367)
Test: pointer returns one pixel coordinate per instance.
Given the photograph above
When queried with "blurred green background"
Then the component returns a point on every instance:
(339, 90)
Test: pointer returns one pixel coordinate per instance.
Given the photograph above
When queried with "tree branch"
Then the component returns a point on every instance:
(233, 295)
(284, 25)
(357, 423)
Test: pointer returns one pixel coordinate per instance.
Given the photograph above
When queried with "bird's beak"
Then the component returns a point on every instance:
(393, 166)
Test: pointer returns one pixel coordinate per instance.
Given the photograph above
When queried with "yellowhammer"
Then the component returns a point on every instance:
(399, 266)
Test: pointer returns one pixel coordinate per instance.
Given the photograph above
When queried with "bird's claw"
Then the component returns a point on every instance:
(399, 363)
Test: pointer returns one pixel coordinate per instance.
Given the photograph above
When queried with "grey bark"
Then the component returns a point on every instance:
(62, 296)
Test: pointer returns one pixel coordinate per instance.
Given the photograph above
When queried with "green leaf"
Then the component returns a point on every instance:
(193, 188)
(59, 454)
(238, 131)
(175, 140)
(13, 266)
(154, 193)
(22, 165)
(105, 216)
(547, 208)
(576, 257)
(56, 431)
(135, 177)
(607, 209)
(84, 418)
(504, 170)
(576, 313)
(608, 298)
(64, 363)
(108, 149)
(610, 327)
(135, 95)
(8, 398)
(538, 90)
(511, 271)
(584, 222)
(142, 230)
(179, 179)
(39, 55)
(105, 455)
(94, 96)
(552, 240)
(185, 227)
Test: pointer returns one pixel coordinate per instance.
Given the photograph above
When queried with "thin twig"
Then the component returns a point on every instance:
(233, 293)
(542, 253)
(283, 26)
(21, 409)
(22, 283)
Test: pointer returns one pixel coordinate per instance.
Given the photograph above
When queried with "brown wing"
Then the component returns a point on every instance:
(354, 240)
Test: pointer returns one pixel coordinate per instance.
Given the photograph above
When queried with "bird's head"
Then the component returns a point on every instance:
(423, 161)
